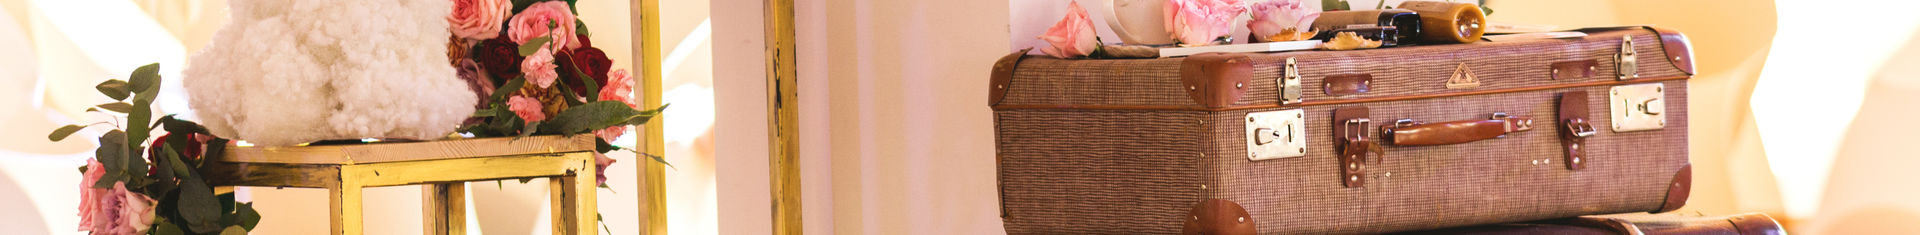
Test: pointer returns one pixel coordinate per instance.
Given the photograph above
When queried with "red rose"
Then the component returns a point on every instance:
(500, 57)
(191, 152)
(591, 61)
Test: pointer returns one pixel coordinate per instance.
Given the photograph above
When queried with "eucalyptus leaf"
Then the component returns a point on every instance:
(248, 217)
(64, 132)
(234, 230)
(112, 152)
(114, 88)
(173, 162)
(198, 206)
(145, 78)
(528, 130)
(163, 227)
(141, 115)
(533, 45)
(119, 107)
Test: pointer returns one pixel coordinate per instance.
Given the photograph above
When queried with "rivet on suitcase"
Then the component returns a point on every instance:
(1368, 141)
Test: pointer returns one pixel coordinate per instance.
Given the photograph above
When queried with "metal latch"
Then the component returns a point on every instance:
(1289, 83)
(1638, 107)
(1624, 65)
(1276, 134)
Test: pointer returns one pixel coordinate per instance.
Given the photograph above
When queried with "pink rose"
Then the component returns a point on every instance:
(1199, 22)
(539, 68)
(90, 196)
(1272, 17)
(1073, 36)
(528, 108)
(600, 163)
(619, 87)
(120, 212)
(478, 19)
(532, 23)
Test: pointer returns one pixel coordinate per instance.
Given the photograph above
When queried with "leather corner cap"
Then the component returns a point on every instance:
(1216, 80)
(1218, 217)
(1679, 189)
(1679, 50)
(1002, 78)
(1755, 223)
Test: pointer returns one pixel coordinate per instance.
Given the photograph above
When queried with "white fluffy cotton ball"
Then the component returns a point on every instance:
(289, 72)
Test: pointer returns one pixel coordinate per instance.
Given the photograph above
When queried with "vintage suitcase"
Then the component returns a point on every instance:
(1292, 142)
(1630, 224)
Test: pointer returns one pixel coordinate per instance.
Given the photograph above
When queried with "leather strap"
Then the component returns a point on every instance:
(1407, 132)
(1218, 217)
(1573, 69)
(1575, 128)
(1350, 137)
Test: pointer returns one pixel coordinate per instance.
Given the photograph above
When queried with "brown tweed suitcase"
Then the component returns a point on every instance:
(1343, 142)
(1630, 224)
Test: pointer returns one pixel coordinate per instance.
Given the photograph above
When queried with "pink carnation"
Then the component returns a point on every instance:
(1199, 22)
(539, 68)
(533, 22)
(1073, 36)
(478, 19)
(619, 87)
(527, 108)
(117, 211)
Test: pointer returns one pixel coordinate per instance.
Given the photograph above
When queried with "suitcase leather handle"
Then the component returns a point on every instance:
(1408, 132)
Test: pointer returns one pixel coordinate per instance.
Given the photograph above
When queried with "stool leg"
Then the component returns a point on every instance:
(446, 207)
(574, 208)
(344, 202)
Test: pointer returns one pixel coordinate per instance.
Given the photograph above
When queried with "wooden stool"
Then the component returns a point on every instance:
(442, 167)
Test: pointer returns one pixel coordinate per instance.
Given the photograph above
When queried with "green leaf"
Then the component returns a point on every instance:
(248, 217)
(521, 5)
(163, 227)
(528, 130)
(570, 7)
(118, 107)
(112, 152)
(603, 222)
(533, 45)
(83, 169)
(234, 230)
(1381, 6)
(580, 28)
(63, 132)
(500, 95)
(180, 169)
(597, 115)
(593, 87)
(114, 88)
(198, 206)
(1334, 5)
(144, 78)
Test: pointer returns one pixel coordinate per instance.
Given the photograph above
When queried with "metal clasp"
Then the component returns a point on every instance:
(1290, 83)
(1624, 64)
(1638, 107)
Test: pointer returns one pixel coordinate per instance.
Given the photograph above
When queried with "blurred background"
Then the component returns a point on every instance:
(1798, 110)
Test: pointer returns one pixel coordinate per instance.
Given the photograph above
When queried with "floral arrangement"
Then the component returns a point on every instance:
(129, 188)
(534, 71)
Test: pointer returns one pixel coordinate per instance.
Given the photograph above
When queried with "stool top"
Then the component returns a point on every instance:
(350, 154)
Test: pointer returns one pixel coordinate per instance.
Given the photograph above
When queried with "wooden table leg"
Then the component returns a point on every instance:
(344, 203)
(574, 207)
(446, 207)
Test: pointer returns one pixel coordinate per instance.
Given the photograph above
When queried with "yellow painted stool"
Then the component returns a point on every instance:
(442, 167)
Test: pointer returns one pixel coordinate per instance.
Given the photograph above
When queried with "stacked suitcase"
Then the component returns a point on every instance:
(1344, 142)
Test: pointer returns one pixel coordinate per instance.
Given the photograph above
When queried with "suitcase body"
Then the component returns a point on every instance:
(1313, 142)
(1631, 224)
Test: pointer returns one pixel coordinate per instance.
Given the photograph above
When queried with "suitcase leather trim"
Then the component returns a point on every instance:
(1678, 49)
(1219, 217)
(1679, 190)
(1002, 78)
(1216, 80)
